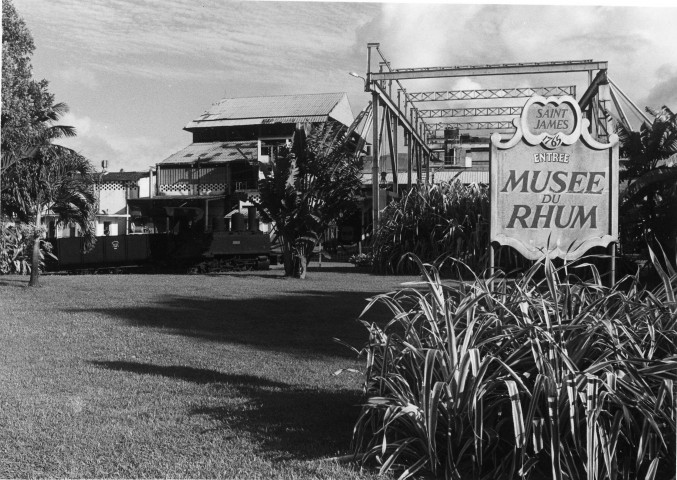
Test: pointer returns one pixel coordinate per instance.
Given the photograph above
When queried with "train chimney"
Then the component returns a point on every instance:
(253, 221)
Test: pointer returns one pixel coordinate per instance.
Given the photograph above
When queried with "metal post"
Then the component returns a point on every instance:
(492, 264)
(396, 125)
(206, 215)
(409, 162)
(419, 169)
(369, 47)
(392, 145)
(374, 164)
(612, 266)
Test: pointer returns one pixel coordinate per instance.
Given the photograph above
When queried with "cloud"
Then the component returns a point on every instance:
(135, 71)
(80, 76)
(664, 92)
(176, 39)
(635, 41)
(99, 141)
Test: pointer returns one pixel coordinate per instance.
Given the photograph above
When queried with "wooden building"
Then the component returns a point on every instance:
(199, 186)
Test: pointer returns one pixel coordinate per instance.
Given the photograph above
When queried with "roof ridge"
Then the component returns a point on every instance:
(283, 95)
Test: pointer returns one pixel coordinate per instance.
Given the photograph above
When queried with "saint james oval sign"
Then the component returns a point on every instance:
(554, 189)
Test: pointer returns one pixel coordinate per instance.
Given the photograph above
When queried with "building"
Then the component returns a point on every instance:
(201, 185)
(113, 191)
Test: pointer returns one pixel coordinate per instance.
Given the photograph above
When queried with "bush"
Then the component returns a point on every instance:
(434, 220)
(16, 246)
(361, 260)
(495, 379)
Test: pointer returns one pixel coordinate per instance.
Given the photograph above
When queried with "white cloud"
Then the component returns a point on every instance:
(178, 39)
(637, 42)
(99, 141)
(80, 76)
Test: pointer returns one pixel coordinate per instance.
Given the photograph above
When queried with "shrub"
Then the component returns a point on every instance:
(361, 260)
(16, 245)
(496, 379)
(429, 221)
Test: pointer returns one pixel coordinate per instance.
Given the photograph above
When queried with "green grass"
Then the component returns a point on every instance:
(226, 376)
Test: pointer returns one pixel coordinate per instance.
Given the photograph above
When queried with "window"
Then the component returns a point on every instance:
(270, 148)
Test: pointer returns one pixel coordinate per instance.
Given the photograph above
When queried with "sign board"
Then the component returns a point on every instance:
(554, 189)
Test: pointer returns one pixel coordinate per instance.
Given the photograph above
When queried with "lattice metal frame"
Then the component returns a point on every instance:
(491, 93)
(471, 112)
(500, 125)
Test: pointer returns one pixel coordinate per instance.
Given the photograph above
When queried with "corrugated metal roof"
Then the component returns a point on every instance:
(257, 121)
(215, 152)
(123, 176)
(464, 176)
(258, 110)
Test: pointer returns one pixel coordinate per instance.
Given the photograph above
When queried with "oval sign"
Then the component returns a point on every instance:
(551, 118)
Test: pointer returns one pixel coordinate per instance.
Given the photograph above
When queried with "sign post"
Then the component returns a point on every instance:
(554, 188)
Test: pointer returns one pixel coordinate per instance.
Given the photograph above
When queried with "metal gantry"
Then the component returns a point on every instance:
(497, 125)
(390, 115)
(470, 112)
(491, 93)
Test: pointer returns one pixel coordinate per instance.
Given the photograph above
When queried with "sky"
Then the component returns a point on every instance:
(135, 72)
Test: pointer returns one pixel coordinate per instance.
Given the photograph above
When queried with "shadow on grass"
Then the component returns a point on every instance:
(289, 421)
(189, 374)
(16, 283)
(303, 322)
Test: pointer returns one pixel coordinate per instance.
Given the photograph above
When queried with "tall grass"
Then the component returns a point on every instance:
(429, 221)
(546, 376)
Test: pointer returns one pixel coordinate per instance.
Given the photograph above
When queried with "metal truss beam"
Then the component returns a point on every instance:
(593, 88)
(470, 112)
(397, 113)
(492, 93)
(497, 69)
(471, 125)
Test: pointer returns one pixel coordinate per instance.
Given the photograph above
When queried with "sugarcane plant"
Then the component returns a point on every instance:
(449, 218)
(545, 376)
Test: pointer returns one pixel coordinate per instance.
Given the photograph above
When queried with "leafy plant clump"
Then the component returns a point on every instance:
(16, 246)
(430, 221)
(361, 260)
(498, 379)
(309, 185)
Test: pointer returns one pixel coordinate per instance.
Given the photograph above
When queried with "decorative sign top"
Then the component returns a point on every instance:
(552, 194)
(551, 123)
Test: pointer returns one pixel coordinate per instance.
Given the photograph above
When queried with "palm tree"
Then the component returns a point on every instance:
(54, 179)
(45, 177)
(42, 132)
(649, 203)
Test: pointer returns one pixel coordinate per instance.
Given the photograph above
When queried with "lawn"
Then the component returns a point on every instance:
(227, 376)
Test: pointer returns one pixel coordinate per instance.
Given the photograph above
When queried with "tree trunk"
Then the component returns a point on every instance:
(35, 259)
(301, 266)
(288, 258)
